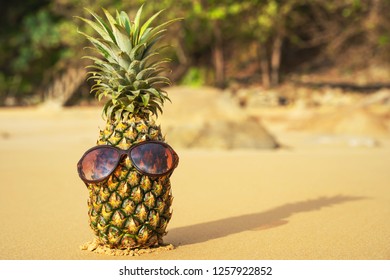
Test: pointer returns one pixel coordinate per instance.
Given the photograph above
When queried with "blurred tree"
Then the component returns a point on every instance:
(272, 21)
(339, 26)
(27, 35)
(217, 43)
(215, 18)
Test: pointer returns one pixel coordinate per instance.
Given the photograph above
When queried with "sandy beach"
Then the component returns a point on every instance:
(306, 200)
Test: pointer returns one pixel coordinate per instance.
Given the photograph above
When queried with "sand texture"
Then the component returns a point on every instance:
(321, 196)
(96, 247)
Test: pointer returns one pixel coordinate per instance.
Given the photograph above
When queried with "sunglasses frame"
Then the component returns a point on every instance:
(122, 154)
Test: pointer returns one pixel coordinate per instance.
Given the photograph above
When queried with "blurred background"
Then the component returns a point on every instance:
(227, 44)
(294, 96)
(255, 68)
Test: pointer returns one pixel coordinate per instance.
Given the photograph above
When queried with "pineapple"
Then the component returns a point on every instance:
(129, 210)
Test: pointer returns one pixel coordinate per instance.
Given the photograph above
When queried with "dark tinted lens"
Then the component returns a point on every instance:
(99, 163)
(152, 158)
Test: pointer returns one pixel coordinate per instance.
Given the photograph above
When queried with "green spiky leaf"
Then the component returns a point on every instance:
(146, 25)
(128, 70)
(103, 24)
(137, 22)
(137, 52)
(122, 38)
(145, 99)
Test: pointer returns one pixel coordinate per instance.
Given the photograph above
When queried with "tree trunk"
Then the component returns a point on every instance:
(373, 19)
(183, 58)
(219, 62)
(275, 59)
(264, 66)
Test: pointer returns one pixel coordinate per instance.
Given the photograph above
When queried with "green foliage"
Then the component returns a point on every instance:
(27, 50)
(129, 71)
(384, 40)
(39, 39)
(195, 77)
(39, 35)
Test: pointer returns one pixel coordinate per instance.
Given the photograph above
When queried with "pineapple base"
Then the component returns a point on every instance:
(99, 248)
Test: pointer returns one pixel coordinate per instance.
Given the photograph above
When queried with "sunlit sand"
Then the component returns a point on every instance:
(306, 200)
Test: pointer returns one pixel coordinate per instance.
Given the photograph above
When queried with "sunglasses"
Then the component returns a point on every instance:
(151, 158)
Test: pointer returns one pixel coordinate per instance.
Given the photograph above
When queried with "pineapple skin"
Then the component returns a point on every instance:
(129, 210)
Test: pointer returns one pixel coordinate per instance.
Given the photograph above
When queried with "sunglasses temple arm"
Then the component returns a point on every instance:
(177, 159)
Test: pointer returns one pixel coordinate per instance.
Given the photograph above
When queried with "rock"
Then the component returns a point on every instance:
(346, 121)
(382, 97)
(367, 142)
(359, 122)
(332, 97)
(212, 119)
(349, 141)
(223, 134)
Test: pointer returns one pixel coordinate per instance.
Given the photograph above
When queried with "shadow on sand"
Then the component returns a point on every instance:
(257, 221)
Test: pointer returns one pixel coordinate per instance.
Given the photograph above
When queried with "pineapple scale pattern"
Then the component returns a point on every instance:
(130, 210)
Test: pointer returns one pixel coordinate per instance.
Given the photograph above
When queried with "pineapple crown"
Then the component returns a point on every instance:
(129, 72)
